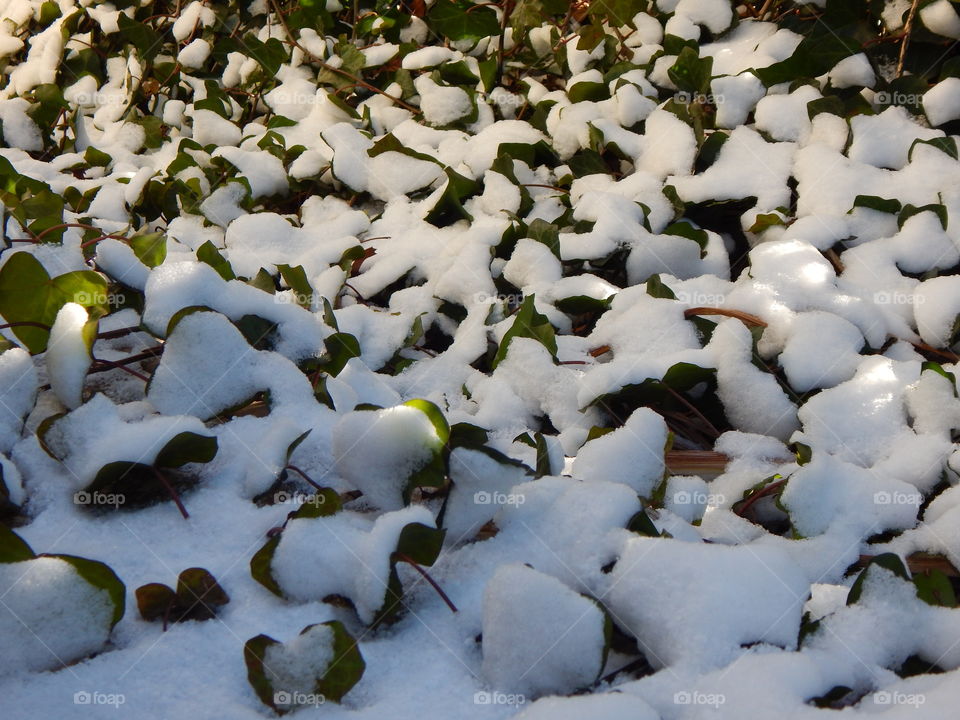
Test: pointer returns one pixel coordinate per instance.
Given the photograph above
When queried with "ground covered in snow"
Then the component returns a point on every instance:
(441, 359)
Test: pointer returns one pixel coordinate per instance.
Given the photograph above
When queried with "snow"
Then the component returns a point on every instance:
(50, 616)
(355, 562)
(631, 454)
(68, 355)
(18, 391)
(295, 666)
(442, 105)
(378, 450)
(941, 18)
(745, 594)
(537, 549)
(521, 652)
(936, 305)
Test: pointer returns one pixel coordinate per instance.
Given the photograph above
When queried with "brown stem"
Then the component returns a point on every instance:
(426, 576)
(62, 226)
(690, 406)
(337, 71)
(173, 493)
(907, 29)
(111, 365)
(302, 474)
(696, 462)
(739, 314)
(25, 323)
(765, 491)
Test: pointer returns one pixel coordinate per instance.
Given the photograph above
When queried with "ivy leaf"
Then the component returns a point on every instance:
(449, 207)
(528, 324)
(691, 73)
(420, 543)
(186, 447)
(888, 561)
(100, 576)
(150, 248)
(29, 294)
(344, 670)
(462, 20)
(13, 548)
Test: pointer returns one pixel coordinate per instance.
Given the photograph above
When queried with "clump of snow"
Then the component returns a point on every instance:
(539, 636)
(50, 615)
(632, 454)
(744, 594)
(378, 450)
(68, 355)
(344, 554)
(295, 666)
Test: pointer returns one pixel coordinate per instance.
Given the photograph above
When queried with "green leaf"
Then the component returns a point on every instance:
(546, 233)
(100, 576)
(528, 324)
(186, 447)
(946, 145)
(435, 415)
(13, 548)
(877, 203)
(341, 674)
(656, 288)
(888, 561)
(260, 566)
(420, 543)
(208, 253)
(462, 20)
(910, 210)
(144, 39)
(687, 230)
(29, 294)
(938, 368)
(341, 347)
(641, 524)
(96, 158)
(691, 73)
(296, 279)
(449, 207)
(150, 248)
(934, 588)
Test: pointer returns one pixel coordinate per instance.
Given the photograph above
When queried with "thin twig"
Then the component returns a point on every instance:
(343, 73)
(907, 29)
(426, 576)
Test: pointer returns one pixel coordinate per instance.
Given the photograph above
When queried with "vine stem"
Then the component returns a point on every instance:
(302, 474)
(343, 73)
(62, 226)
(426, 576)
(907, 29)
(173, 493)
